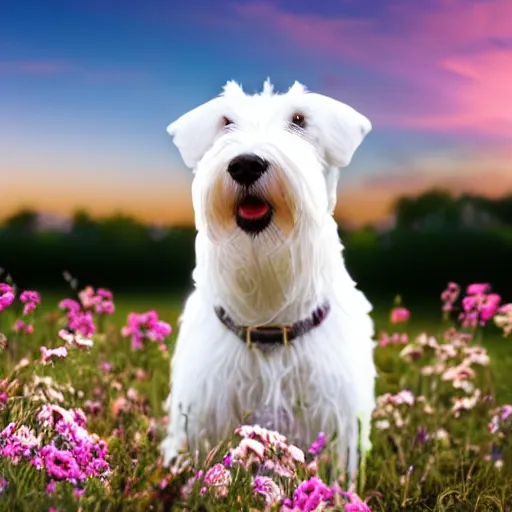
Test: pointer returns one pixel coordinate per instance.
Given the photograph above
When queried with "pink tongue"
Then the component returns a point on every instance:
(253, 211)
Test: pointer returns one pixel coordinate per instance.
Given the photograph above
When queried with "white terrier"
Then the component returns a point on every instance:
(276, 332)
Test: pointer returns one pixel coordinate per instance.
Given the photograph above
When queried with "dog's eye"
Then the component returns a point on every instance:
(299, 120)
(226, 121)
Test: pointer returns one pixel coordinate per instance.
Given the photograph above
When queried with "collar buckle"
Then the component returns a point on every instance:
(283, 328)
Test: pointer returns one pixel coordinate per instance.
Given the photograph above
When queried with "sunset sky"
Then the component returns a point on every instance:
(88, 87)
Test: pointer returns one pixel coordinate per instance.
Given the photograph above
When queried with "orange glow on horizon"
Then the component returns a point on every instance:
(367, 200)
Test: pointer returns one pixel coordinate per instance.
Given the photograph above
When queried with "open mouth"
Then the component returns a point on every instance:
(253, 214)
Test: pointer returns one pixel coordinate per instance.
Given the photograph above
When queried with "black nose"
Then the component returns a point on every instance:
(246, 169)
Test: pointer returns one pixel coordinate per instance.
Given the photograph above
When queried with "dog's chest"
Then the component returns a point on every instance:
(275, 389)
(260, 287)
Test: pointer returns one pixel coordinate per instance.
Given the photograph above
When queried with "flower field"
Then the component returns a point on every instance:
(83, 378)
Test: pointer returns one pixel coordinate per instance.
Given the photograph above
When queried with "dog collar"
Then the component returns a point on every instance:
(273, 333)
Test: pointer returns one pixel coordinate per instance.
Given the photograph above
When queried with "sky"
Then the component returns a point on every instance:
(88, 87)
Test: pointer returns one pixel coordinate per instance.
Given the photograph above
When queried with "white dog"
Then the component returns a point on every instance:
(276, 332)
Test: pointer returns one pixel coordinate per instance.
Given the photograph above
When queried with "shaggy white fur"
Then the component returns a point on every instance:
(323, 381)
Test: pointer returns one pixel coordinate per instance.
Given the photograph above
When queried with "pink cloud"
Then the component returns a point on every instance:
(453, 59)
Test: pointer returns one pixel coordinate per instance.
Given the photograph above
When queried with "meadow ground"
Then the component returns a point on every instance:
(442, 438)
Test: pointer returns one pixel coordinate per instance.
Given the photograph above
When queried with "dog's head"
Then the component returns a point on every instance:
(265, 163)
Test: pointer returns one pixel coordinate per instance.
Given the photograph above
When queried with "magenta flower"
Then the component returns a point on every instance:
(7, 296)
(18, 443)
(50, 488)
(478, 289)
(31, 299)
(318, 445)
(479, 306)
(105, 294)
(489, 306)
(310, 494)
(399, 315)
(355, 503)
(145, 326)
(30, 296)
(82, 323)
(20, 325)
(69, 305)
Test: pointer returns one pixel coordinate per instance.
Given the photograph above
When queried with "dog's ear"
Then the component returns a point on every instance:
(194, 132)
(338, 128)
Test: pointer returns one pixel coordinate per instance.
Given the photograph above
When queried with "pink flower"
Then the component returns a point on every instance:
(7, 296)
(145, 326)
(81, 322)
(75, 339)
(268, 489)
(20, 325)
(476, 355)
(404, 397)
(355, 504)
(465, 403)
(395, 339)
(47, 354)
(120, 405)
(503, 318)
(86, 297)
(489, 306)
(105, 367)
(105, 308)
(318, 445)
(450, 295)
(384, 339)
(218, 478)
(69, 304)
(477, 289)
(462, 372)
(311, 494)
(31, 299)
(247, 447)
(479, 306)
(99, 301)
(105, 294)
(400, 315)
(506, 412)
(93, 407)
(400, 338)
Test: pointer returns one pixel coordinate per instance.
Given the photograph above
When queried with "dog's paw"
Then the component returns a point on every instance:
(169, 451)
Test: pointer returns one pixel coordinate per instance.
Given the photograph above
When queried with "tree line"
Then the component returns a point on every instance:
(437, 238)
